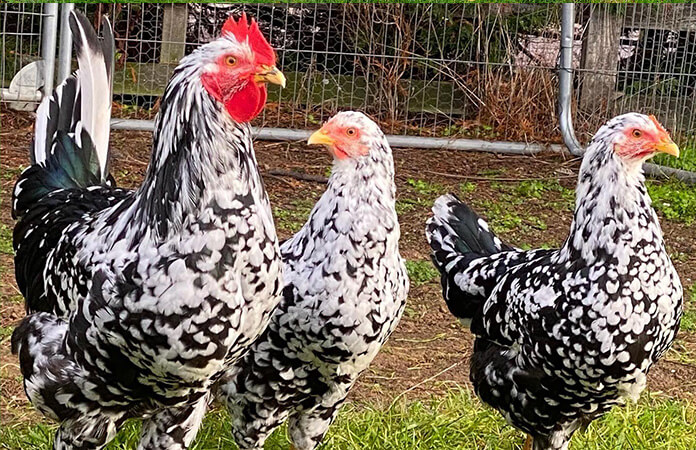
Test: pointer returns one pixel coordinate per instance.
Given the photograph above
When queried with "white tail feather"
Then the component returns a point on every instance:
(95, 90)
(40, 131)
(441, 216)
(92, 85)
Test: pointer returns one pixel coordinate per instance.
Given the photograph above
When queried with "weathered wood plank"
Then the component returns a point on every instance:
(174, 33)
(600, 60)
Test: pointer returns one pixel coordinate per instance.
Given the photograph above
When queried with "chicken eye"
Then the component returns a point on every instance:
(637, 133)
(350, 131)
(230, 61)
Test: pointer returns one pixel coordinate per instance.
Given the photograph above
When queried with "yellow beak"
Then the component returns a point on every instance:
(268, 74)
(320, 137)
(667, 146)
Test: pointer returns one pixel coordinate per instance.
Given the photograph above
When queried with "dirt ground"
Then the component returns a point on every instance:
(429, 349)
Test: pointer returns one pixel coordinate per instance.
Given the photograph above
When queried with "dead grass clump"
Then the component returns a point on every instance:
(520, 106)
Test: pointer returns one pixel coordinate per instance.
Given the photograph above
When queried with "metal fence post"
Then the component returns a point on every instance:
(565, 79)
(48, 45)
(65, 49)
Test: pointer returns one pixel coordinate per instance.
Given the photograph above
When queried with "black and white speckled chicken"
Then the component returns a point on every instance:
(346, 288)
(138, 300)
(563, 335)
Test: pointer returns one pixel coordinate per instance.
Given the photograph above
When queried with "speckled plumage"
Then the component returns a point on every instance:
(563, 335)
(139, 300)
(346, 287)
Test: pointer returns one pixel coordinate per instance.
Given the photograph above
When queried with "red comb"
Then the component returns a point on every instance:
(243, 30)
(658, 125)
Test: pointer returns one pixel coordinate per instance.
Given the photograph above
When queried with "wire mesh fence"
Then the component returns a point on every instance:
(21, 40)
(420, 69)
(638, 57)
(448, 70)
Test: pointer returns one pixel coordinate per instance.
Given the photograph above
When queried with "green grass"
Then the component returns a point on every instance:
(688, 320)
(503, 219)
(678, 256)
(532, 188)
(12, 173)
(564, 198)
(508, 212)
(6, 240)
(681, 353)
(467, 187)
(454, 421)
(5, 333)
(425, 188)
(686, 160)
(420, 272)
(539, 188)
(405, 204)
(292, 218)
(419, 194)
(676, 200)
(492, 172)
(500, 217)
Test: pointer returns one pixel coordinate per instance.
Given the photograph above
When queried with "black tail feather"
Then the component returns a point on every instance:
(68, 167)
(458, 238)
(456, 230)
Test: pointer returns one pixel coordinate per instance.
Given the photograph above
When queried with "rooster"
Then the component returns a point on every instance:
(138, 300)
(563, 335)
(346, 288)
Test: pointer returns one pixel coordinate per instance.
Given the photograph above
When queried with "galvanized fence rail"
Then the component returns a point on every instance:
(514, 78)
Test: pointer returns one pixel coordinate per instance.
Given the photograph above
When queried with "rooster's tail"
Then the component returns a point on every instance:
(71, 136)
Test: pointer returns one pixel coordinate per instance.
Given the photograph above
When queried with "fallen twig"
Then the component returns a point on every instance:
(480, 178)
(283, 180)
(299, 175)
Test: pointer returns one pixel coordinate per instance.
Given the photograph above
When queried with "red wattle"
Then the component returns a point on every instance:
(338, 153)
(247, 103)
(262, 100)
